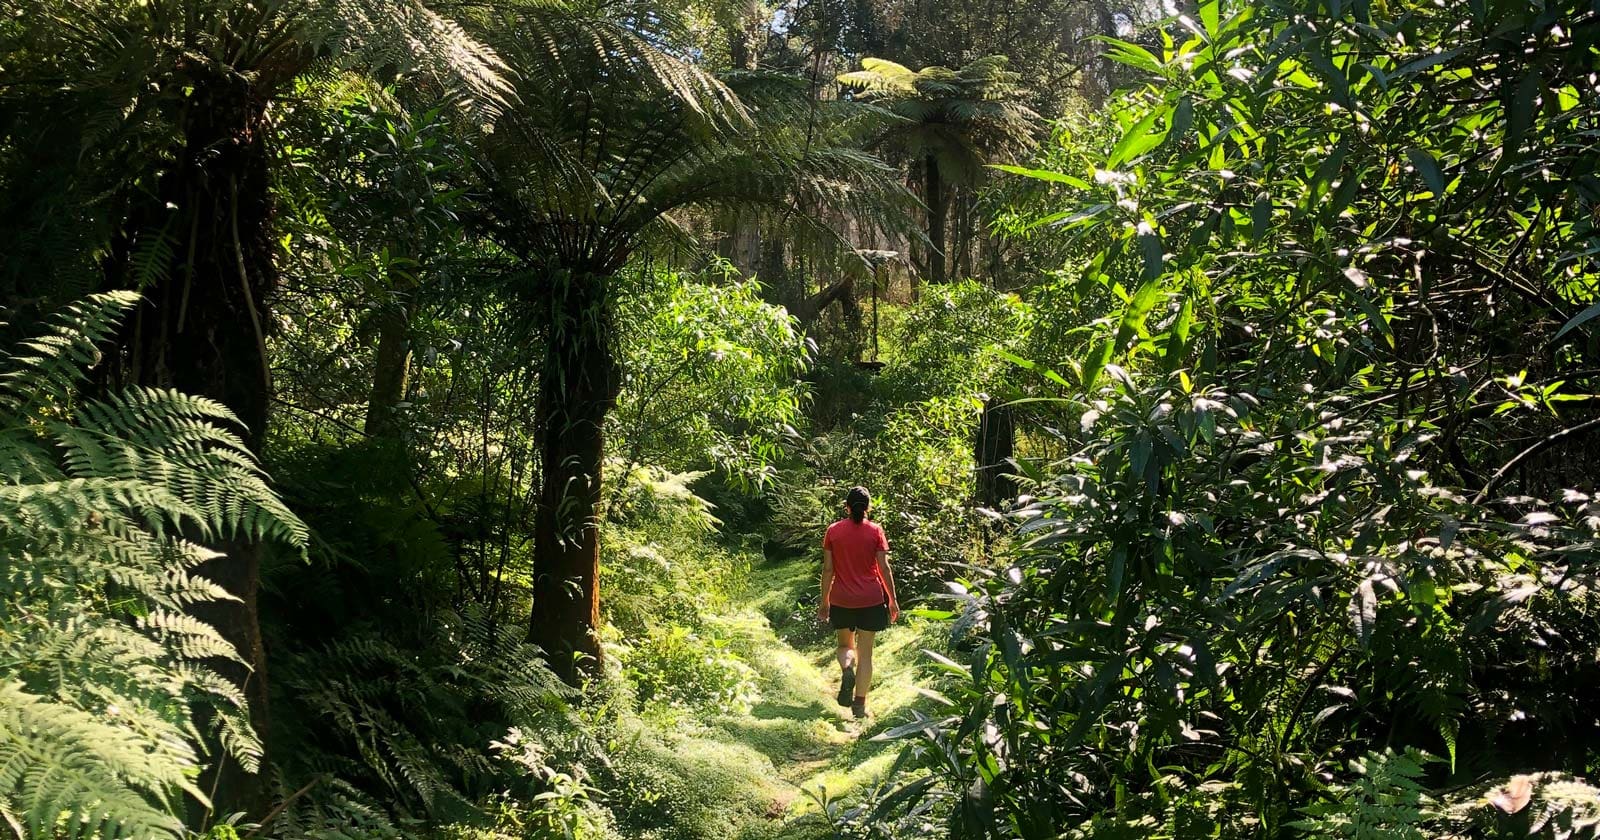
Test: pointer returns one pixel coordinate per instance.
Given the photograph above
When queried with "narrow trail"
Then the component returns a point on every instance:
(795, 742)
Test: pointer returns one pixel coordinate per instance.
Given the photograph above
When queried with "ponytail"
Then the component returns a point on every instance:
(857, 501)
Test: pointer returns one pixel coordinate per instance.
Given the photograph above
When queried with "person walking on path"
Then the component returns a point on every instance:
(858, 597)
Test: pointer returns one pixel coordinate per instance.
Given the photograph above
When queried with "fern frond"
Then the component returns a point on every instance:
(407, 36)
(64, 764)
(152, 258)
(45, 370)
(103, 670)
(190, 637)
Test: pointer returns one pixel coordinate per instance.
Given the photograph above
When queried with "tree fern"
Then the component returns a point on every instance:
(101, 669)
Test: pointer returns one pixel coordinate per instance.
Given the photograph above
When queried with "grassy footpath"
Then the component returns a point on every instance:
(755, 775)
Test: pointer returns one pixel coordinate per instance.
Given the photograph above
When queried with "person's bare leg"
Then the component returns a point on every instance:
(846, 655)
(864, 670)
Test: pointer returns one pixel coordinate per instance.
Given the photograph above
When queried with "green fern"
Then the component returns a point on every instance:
(395, 713)
(1386, 801)
(101, 669)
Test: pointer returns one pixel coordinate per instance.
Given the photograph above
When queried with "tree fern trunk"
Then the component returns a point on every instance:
(577, 389)
(934, 186)
(201, 331)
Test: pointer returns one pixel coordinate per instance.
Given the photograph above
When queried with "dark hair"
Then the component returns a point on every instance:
(857, 501)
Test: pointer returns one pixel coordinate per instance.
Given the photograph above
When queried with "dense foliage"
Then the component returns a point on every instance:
(1322, 487)
(421, 418)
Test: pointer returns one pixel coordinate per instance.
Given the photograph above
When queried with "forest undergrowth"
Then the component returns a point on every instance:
(419, 420)
(773, 767)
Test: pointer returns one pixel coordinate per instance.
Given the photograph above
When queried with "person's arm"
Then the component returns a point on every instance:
(827, 583)
(888, 582)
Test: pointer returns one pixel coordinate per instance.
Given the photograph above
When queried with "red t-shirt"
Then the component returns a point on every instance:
(856, 580)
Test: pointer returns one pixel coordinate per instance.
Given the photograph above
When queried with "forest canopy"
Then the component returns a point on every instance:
(423, 419)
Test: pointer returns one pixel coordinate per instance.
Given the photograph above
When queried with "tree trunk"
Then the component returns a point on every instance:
(777, 286)
(934, 188)
(843, 291)
(741, 244)
(200, 331)
(965, 234)
(391, 371)
(577, 389)
(744, 32)
(996, 444)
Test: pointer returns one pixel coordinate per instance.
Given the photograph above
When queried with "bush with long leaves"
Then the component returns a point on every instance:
(1323, 486)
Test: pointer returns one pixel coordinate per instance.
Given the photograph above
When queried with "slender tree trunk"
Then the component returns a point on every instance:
(917, 269)
(1099, 83)
(966, 234)
(934, 188)
(201, 329)
(577, 389)
(771, 269)
(391, 370)
(996, 444)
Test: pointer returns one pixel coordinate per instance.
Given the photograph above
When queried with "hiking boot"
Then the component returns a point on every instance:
(859, 708)
(847, 685)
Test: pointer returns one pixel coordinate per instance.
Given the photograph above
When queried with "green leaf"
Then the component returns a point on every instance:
(1029, 364)
(1185, 322)
(1151, 250)
(1519, 116)
(1118, 568)
(1342, 196)
(1353, 280)
(1182, 120)
(1331, 74)
(1578, 320)
(1260, 217)
(1428, 168)
(1042, 175)
(1421, 64)
(1210, 17)
(1095, 363)
(1328, 169)
(1364, 611)
(1131, 54)
(1141, 137)
(1066, 218)
(1137, 310)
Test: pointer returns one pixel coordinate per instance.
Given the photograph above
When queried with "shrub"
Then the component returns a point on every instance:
(684, 668)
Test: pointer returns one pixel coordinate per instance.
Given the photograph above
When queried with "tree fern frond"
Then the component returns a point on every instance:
(407, 36)
(62, 763)
(160, 417)
(46, 370)
(239, 738)
(103, 672)
(190, 637)
(23, 459)
(153, 255)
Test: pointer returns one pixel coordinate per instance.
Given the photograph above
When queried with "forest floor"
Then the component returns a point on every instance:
(762, 773)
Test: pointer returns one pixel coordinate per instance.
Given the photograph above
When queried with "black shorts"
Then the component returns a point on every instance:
(872, 619)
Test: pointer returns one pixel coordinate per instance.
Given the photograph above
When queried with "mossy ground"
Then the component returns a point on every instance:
(758, 774)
